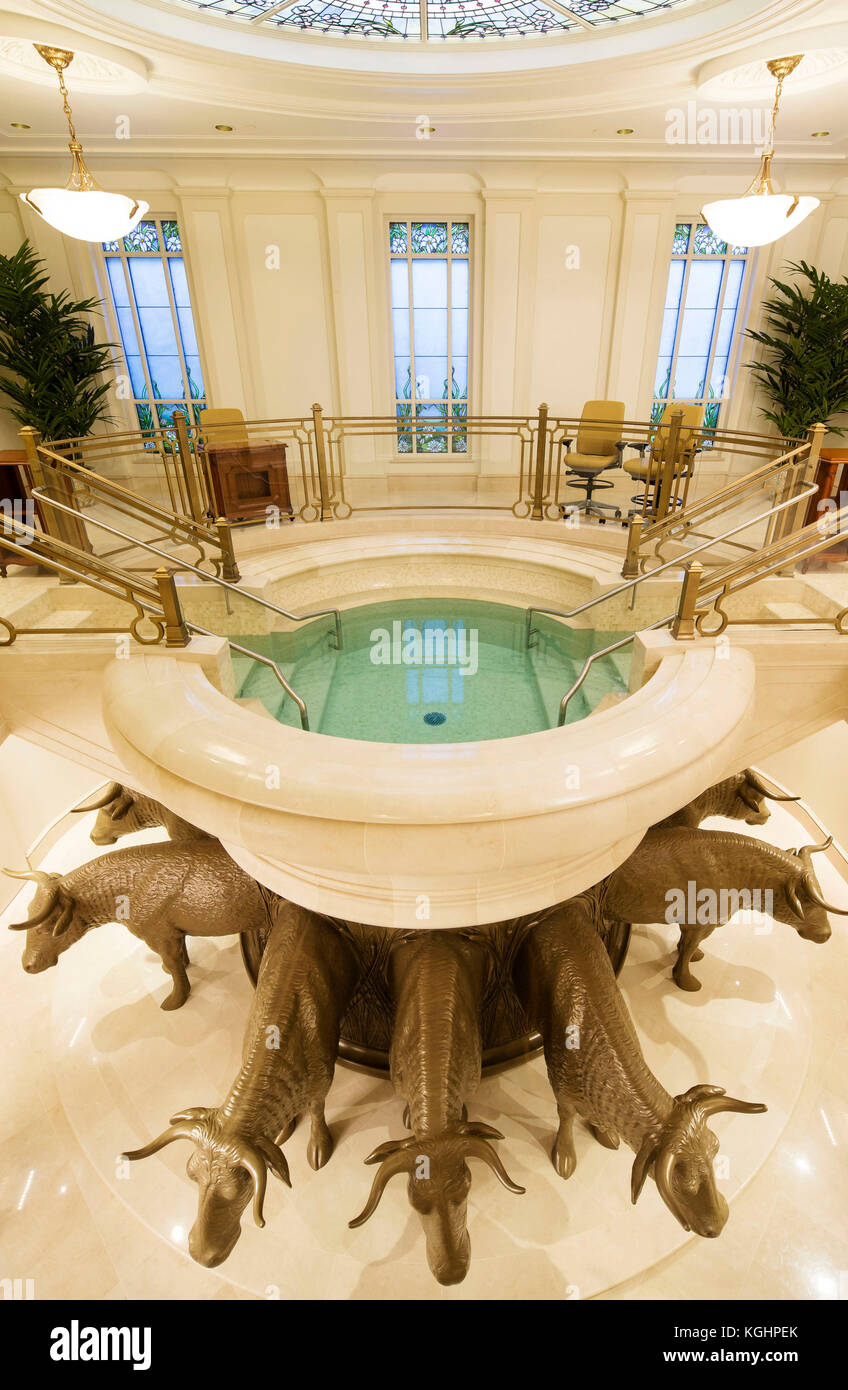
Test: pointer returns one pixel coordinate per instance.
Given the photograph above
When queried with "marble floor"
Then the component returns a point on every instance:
(93, 1066)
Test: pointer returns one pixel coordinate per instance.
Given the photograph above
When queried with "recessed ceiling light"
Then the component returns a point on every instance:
(818, 134)
(625, 130)
(20, 125)
(223, 127)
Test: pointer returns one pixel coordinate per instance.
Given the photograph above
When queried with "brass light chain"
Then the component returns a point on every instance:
(66, 103)
(779, 68)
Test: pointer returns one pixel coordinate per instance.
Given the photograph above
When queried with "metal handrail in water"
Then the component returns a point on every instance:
(333, 613)
(596, 656)
(677, 563)
(135, 594)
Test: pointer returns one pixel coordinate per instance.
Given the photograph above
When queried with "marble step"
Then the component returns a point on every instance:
(248, 702)
(790, 612)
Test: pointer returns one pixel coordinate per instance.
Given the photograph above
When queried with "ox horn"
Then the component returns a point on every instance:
(648, 1151)
(98, 799)
(44, 880)
(719, 1102)
(710, 1100)
(275, 1158)
(812, 888)
(182, 1130)
(477, 1147)
(476, 1127)
(254, 1162)
(809, 882)
(399, 1161)
(663, 1168)
(757, 782)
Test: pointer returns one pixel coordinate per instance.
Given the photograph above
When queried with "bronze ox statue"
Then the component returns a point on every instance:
(437, 980)
(740, 797)
(596, 1070)
(121, 811)
(162, 893)
(308, 974)
(700, 878)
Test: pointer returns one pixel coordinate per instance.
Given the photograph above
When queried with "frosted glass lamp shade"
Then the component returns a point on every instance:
(757, 219)
(88, 214)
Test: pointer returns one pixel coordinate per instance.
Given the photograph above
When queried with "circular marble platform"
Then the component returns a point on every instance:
(122, 1067)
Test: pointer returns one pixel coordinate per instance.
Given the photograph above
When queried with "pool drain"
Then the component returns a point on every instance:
(435, 717)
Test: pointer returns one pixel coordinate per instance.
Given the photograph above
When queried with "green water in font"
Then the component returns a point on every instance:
(431, 671)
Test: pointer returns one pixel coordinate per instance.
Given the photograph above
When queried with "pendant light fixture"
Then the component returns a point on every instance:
(81, 209)
(761, 216)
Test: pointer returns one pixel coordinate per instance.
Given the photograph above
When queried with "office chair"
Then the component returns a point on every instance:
(649, 472)
(598, 446)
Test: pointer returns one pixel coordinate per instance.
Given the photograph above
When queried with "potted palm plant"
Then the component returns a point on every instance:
(51, 366)
(803, 367)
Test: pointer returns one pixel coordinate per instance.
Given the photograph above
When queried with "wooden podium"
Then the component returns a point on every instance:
(248, 477)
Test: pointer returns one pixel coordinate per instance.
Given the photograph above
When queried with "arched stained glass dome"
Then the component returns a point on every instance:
(433, 19)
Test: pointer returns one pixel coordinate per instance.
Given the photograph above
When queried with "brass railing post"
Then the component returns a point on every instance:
(53, 522)
(229, 567)
(176, 632)
(671, 449)
(538, 512)
(630, 568)
(794, 518)
(321, 461)
(187, 465)
(683, 627)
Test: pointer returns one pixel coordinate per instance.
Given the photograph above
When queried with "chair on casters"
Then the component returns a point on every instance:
(649, 473)
(598, 445)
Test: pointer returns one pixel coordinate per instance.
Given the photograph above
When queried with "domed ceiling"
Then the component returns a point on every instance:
(432, 19)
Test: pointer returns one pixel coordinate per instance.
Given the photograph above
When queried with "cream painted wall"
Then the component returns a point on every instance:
(289, 281)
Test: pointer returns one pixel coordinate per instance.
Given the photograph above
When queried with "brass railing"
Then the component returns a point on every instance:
(780, 555)
(327, 458)
(64, 480)
(789, 477)
(699, 598)
(334, 613)
(64, 475)
(632, 585)
(157, 602)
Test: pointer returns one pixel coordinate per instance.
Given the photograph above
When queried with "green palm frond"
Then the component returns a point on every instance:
(802, 369)
(52, 367)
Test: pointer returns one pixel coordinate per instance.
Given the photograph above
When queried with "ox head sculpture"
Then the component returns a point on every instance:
(804, 907)
(753, 792)
(114, 804)
(53, 923)
(229, 1169)
(681, 1158)
(438, 1184)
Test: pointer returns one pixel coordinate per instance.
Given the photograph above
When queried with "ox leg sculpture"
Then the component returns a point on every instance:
(596, 1068)
(436, 1057)
(308, 974)
(699, 879)
(172, 890)
(688, 950)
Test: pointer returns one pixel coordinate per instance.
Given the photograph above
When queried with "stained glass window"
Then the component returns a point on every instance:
(429, 266)
(147, 280)
(433, 19)
(704, 292)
